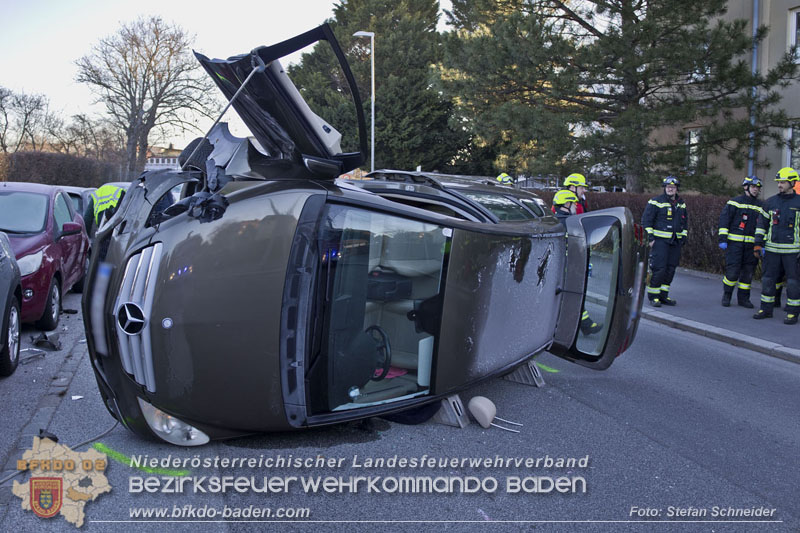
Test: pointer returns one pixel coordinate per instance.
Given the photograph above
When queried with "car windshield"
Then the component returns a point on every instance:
(22, 212)
(382, 291)
(502, 207)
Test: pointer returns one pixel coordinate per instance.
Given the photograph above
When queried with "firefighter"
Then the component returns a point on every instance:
(666, 222)
(779, 234)
(504, 179)
(737, 229)
(577, 183)
(565, 203)
(102, 205)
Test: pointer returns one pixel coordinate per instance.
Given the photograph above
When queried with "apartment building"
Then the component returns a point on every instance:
(782, 17)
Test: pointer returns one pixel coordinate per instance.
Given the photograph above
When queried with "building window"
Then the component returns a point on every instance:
(695, 156)
(794, 30)
(792, 158)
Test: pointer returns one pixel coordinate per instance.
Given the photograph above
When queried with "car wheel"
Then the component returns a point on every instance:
(78, 287)
(52, 308)
(9, 355)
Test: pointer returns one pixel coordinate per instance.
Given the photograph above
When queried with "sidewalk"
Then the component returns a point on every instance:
(699, 311)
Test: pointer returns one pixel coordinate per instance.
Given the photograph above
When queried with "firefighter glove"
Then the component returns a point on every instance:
(723, 245)
(758, 251)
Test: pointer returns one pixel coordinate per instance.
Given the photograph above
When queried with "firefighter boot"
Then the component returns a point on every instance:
(762, 313)
(726, 297)
(744, 299)
(588, 326)
(666, 300)
(791, 318)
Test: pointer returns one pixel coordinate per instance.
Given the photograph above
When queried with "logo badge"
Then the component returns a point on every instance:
(130, 318)
(46, 495)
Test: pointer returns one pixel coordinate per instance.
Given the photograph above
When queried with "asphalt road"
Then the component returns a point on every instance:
(680, 421)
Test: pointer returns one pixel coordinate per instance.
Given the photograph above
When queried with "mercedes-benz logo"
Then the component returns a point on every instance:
(130, 318)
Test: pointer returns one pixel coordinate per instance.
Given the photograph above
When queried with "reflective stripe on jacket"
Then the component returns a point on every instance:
(106, 197)
(665, 219)
(779, 226)
(739, 219)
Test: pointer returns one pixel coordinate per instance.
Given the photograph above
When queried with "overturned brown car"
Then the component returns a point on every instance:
(273, 296)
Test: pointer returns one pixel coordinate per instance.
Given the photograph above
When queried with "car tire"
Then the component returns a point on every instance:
(9, 355)
(52, 309)
(78, 287)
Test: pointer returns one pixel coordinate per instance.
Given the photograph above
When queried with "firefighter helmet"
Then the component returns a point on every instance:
(752, 180)
(564, 196)
(786, 174)
(671, 180)
(504, 178)
(575, 179)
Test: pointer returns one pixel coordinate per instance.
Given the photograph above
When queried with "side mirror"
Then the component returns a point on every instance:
(70, 228)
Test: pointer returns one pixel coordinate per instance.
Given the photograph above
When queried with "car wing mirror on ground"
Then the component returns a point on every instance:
(603, 287)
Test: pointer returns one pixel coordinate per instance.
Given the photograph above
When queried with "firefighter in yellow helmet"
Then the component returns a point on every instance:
(577, 183)
(778, 241)
(564, 204)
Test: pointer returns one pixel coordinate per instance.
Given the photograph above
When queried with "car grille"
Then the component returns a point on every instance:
(133, 310)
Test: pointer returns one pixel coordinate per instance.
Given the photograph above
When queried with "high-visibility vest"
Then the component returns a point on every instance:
(106, 197)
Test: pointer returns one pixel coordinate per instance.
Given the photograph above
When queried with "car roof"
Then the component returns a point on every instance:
(121, 184)
(74, 189)
(474, 183)
(24, 186)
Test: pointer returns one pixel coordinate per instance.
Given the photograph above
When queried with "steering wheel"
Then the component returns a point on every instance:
(383, 347)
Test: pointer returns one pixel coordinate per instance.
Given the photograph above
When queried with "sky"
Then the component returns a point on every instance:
(42, 39)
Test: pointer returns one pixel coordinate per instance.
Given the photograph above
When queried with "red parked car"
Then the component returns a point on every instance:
(49, 240)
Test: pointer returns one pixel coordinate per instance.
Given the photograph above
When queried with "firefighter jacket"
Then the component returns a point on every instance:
(739, 219)
(779, 227)
(665, 219)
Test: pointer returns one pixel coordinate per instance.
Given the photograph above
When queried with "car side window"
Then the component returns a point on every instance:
(61, 212)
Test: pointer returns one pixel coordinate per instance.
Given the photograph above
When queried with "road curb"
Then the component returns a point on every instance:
(41, 418)
(755, 344)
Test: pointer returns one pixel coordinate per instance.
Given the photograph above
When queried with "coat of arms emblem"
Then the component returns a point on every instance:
(46, 495)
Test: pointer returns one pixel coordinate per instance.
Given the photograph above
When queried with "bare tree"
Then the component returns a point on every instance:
(146, 77)
(96, 138)
(23, 121)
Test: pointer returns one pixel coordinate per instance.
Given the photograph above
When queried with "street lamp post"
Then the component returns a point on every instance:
(371, 35)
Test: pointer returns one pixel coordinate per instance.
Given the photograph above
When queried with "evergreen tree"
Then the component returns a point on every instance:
(560, 86)
(412, 117)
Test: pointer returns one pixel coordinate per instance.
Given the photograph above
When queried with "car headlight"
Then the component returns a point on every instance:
(171, 429)
(30, 263)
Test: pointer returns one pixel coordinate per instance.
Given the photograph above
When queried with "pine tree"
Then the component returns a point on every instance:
(560, 86)
(412, 117)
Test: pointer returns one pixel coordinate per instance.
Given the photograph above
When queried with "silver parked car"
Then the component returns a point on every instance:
(10, 298)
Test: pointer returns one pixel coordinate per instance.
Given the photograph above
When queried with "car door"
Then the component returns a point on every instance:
(606, 269)
(69, 245)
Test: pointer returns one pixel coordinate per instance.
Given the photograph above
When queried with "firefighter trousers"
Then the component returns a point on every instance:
(775, 266)
(664, 258)
(740, 263)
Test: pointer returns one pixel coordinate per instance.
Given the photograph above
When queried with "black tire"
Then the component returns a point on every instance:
(52, 309)
(9, 355)
(78, 287)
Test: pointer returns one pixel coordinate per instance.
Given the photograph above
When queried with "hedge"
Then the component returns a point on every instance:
(701, 252)
(59, 169)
